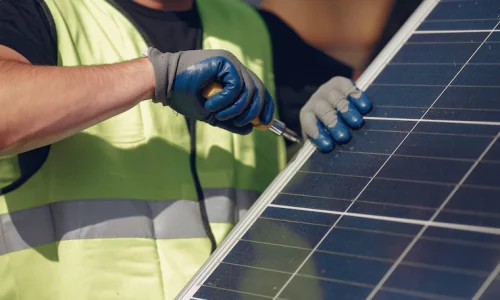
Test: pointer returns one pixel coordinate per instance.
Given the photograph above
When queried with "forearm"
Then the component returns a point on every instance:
(41, 105)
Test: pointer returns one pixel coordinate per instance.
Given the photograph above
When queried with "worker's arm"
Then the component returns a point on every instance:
(314, 94)
(43, 104)
(299, 70)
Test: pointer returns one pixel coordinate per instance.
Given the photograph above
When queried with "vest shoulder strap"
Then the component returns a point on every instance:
(243, 32)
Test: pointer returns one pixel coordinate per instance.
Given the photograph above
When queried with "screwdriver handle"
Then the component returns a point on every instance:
(215, 88)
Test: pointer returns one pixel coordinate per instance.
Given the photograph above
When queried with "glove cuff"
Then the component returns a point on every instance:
(164, 68)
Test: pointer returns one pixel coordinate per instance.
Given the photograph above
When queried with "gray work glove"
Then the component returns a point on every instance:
(323, 118)
(181, 77)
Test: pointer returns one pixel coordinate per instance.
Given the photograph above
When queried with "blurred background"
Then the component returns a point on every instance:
(353, 31)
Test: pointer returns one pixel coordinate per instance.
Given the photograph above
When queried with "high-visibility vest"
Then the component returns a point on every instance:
(113, 213)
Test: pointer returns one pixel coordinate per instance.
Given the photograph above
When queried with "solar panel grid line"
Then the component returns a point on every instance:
(307, 151)
(441, 64)
(399, 291)
(278, 183)
(409, 263)
(475, 86)
(328, 232)
(487, 230)
(447, 43)
(434, 216)
(356, 198)
(471, 228)
(470, 97)
(346, 200)
(395, 290)
(462, 20)
(434, 121)
(408, 220)
(422, 107)
(424, 295)
(431, 85)
(487, 283)
(384, 279)
(375, 175)
(454, 31)
(434, 182)
(450, 270)
(400, 155)
(459, 15)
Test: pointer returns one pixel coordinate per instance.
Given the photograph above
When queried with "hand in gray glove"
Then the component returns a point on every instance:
(323, 119)
(181, 77)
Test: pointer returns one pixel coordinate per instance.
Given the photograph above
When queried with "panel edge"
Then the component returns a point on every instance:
(303, 155)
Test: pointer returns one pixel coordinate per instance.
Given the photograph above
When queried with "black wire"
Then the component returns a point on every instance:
(199, 190)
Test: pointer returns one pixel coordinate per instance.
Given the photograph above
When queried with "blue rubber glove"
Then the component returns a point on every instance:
(181, 77)
(326, 116)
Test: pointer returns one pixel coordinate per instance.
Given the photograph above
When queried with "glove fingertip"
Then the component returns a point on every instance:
(252, 112)
(243, 130)
(235, 109)
(229, 126)
(267, 113)
(340, 132)
(363, 103)
(221, 100)
(324, 145)
(233, 86)
(353, 117)
(216, 102)
(231, 78)
(323, 141)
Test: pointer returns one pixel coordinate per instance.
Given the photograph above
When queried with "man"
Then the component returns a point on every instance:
(108, 194)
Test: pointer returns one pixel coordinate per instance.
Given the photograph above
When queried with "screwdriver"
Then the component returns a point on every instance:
(276, 126)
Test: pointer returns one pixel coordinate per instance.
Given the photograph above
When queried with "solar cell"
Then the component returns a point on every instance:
(463, 15)
(410, 207)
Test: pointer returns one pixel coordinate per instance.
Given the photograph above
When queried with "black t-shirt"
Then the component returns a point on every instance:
(299, 69)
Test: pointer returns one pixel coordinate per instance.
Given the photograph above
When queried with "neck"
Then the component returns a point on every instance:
(167, 5)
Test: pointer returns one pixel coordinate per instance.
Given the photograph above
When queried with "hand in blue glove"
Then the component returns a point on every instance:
(334, 106)
(181, 77)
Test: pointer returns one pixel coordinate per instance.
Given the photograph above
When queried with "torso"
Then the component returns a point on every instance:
(167, 31)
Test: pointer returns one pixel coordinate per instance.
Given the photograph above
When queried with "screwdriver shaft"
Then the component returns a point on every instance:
(280, 128)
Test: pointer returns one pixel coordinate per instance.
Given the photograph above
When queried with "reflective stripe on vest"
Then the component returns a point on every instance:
(118, 218)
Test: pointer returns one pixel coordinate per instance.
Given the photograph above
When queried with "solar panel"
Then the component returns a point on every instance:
(410, 207)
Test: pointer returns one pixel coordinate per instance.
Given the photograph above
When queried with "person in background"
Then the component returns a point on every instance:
(255, 3)
(118, 178)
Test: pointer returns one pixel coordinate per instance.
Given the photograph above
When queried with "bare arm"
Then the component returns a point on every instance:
(40, 104)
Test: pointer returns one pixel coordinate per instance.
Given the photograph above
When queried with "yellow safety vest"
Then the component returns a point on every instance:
(113, 213)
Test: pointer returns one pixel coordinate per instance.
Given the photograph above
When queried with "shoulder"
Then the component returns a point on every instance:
(292, 52)
(26, 8)
(276, 25)
(25, 27)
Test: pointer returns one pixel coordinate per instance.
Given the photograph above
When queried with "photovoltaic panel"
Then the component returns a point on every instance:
(410, 207)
